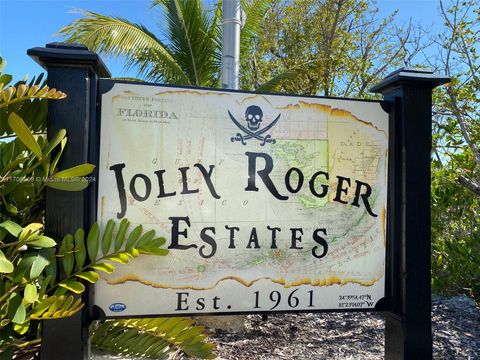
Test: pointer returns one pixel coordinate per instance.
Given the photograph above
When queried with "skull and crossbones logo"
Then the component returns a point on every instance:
(253, 118)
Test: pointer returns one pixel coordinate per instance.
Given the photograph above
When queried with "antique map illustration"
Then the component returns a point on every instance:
(267, 202)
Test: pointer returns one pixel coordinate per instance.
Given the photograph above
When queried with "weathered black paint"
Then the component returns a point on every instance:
(408, 326)
(75, 70)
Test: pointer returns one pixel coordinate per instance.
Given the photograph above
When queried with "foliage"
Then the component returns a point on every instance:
(29, 162)
(456, 176)
(29, 271)
(335, 47)
(42, 278)
(188, 50)
(455, 235)
(154, 338)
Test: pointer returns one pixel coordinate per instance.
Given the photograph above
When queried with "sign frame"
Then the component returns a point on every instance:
(383, 304)
(407, 305)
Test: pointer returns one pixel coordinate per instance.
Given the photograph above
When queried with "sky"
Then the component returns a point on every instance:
(25, 24)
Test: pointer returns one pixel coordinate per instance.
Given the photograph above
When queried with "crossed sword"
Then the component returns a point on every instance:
(251, 134)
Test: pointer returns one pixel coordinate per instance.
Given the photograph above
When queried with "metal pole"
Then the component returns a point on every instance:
(231, 23)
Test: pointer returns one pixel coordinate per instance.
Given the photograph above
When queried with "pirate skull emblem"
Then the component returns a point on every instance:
(253, 117)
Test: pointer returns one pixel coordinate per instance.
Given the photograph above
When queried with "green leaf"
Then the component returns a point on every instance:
(16, 310)
(149, 235)
(6, 266)
(80, 251)
(24, 134)
(43, 306)
(54, 162)
(66, 249)
(120, 258)
(93, 241)
(133, 237)
(21, 328)
(11, 227)
(105, 267)
(68, 184)
(121, 234)
(42, 241)
(90, 276)
(30, 293)
(30, 231)
(5, 79)
(76, 171)
(22, 267)
(107, 237)
(57, 139)
(40, 262)
(72, 285)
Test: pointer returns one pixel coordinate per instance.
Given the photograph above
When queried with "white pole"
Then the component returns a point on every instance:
(231, 43)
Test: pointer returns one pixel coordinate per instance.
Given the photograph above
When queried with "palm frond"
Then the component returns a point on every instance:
(120, 38)
(274, 84)
(192, 43)
(154, 338)
(255, 11)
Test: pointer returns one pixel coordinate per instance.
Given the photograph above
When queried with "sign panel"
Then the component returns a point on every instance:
(267, 202)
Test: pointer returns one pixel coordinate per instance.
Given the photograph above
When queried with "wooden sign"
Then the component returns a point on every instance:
(267, 202)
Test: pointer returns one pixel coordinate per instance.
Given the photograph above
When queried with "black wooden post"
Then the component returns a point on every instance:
(408, 327)
(74, 70)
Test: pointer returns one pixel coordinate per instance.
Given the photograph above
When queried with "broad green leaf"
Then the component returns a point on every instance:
(155, 243)
(66, 249)
(57, 139)
(11, 227)
(93, 241)
(42, 241)
(5, 79)
(133, 237)
(145, 238)
(80, 251)
(22, 267)
(121, 234)
(72, 285)
(21, 328)
(43, 306)
(30, 293)
(105, 267)
(60, 291)
(90, 276)
(57, 304)
(24, 134)
(16, 310)
(40, 262)
(76, 171)
(6, 266)
(107, 237)
(29, 231)
(68, 184)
